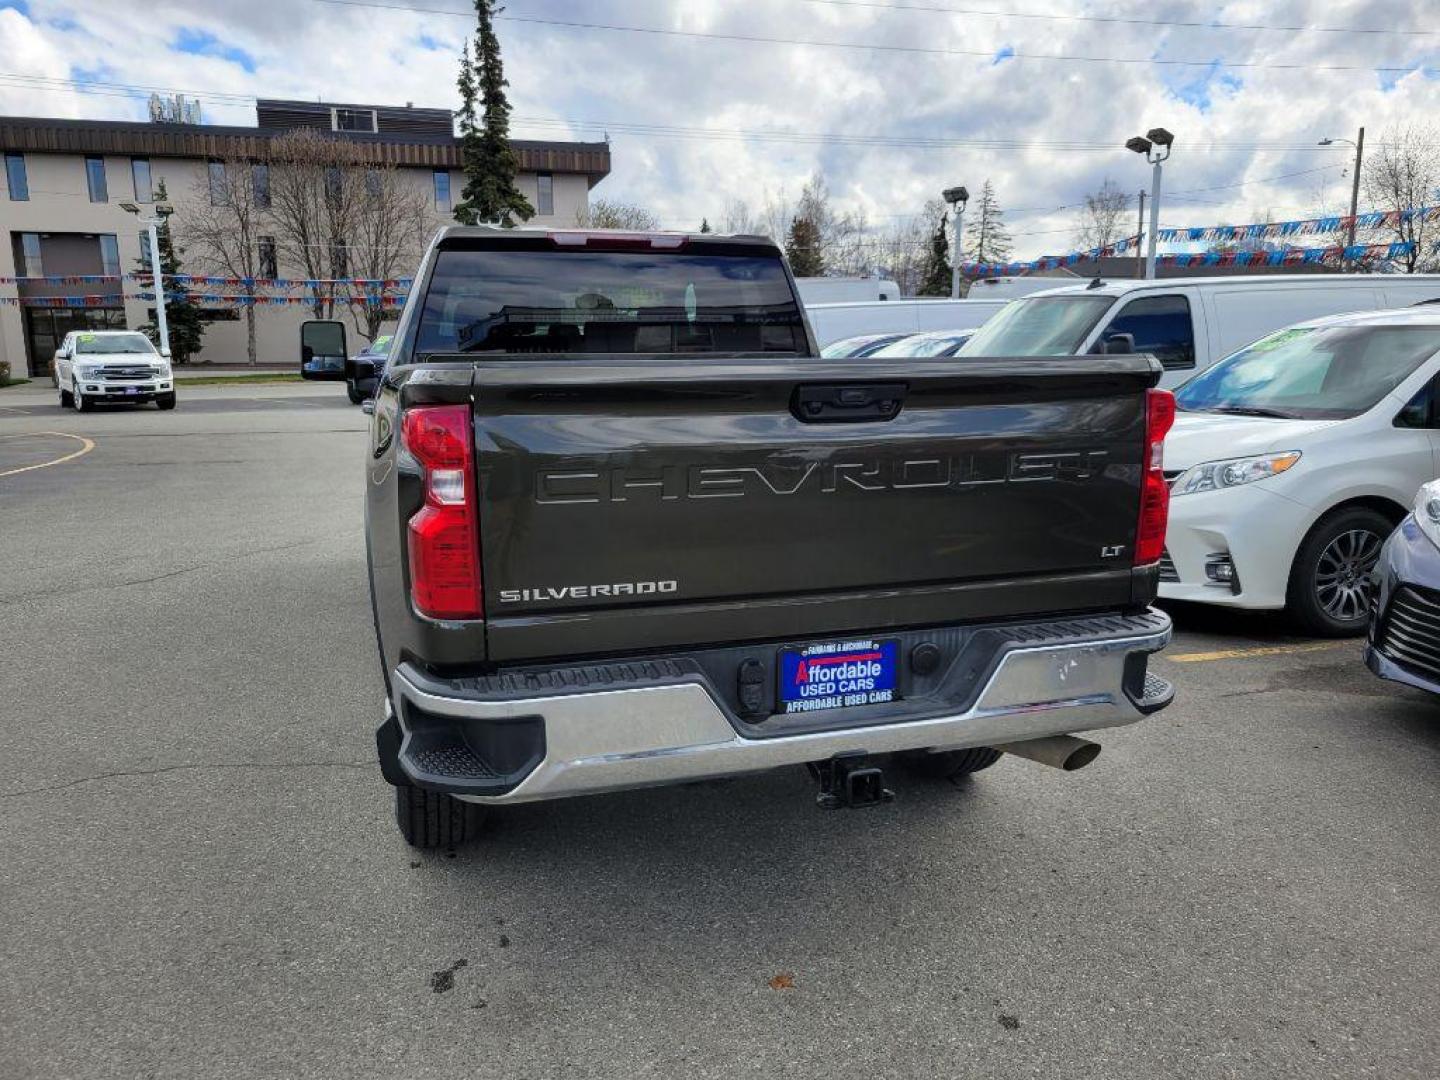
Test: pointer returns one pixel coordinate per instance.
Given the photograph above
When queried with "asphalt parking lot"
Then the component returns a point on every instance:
(201, 876)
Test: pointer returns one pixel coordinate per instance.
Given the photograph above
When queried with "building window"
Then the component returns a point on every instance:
(260, 183)
(545, 194)
(110, 255)
(95, 177)
(442, 190)
(140, 173)
(219, 185)
(269, 263)
(353, 120)
(16, 178)
(30, 250)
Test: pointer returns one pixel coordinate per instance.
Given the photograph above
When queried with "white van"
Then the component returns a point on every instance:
(844, 290)
(1186, 323)
(831, 322)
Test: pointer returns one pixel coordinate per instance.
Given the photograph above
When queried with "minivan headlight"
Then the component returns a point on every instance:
(1427, 510)
(1215, 475)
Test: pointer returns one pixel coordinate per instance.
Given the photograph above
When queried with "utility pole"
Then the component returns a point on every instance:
(1139, 237)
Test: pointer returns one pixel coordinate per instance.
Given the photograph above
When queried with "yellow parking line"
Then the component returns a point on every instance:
(86, 447)
(1245, 654)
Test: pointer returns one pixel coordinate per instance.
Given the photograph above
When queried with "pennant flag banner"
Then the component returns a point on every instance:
(1373, 219)
(100, 300)
(1048, 262)
(207, 299)
(276, 283)
(1288, 257)
(62, 279)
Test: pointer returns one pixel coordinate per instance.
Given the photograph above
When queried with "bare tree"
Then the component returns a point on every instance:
(221, 226)
(383, 240)
(1104, 218)
(1403, 173)
(605, 214)
(316, 189)
(738, 218)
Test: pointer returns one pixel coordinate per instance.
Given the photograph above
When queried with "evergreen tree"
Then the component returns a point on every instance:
(986, 238)
(183, 324)
(935, 266)
(490, 194)
(705, 225)
(802, 248)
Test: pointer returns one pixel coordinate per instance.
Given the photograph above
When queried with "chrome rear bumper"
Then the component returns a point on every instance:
(1040, 684)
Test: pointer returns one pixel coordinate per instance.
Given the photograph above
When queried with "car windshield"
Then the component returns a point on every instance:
(91, 344)
(1040, 326)
(531, 298)
(1312, 373)
(924, 345)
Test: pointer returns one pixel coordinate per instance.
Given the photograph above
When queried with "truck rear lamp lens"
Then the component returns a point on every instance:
(443, 535)
(1154, 491)
(447, 486)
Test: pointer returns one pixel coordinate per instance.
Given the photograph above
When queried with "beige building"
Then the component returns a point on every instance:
(65, 181)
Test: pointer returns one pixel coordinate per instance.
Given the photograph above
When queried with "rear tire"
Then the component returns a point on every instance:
(432, 819)
(1327, 595)
(165, 401)
(951, 764)
(356, 397)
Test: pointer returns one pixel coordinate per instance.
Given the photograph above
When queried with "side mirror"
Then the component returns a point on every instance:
(322, 350)
(360, 367)
(1119, 344)
(368, 406)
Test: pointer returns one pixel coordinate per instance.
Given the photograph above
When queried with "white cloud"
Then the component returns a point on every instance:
(310, 49)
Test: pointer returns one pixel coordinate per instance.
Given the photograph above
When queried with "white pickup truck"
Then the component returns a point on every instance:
(111, 366)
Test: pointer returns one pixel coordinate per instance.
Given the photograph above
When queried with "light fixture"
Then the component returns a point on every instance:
(1159, 136)
(130, 208)
(1139, 144)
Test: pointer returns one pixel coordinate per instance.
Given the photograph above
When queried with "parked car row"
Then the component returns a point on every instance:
(933, 343)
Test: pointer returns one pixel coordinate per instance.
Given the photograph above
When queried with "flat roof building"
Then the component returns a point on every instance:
(63, 223)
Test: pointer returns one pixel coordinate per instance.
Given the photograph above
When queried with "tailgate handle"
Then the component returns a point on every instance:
(848, 403)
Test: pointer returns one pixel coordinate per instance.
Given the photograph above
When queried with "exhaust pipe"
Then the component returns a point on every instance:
(1058, 751)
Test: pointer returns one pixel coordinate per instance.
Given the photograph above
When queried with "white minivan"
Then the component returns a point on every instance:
(1185, 323)
(1293, 459)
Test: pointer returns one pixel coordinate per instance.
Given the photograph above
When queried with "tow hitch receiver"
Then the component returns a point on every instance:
(847, 780)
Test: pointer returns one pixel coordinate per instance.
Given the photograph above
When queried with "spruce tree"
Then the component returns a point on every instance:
(490, 194)
(935, 267)
(986, 238)
(183, 324)
(802, 248)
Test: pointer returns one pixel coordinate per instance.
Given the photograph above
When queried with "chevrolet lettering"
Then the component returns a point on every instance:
(626, 527)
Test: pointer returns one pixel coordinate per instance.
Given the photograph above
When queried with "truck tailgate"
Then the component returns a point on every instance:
(631, 502)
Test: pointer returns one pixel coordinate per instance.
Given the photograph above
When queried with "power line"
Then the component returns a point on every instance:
(1123, 19)
(929, 50)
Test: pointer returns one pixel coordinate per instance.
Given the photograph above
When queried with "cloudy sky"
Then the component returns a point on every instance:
(705, 101)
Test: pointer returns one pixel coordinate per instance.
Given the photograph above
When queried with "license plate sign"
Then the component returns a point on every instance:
(838, 675)
(132, 389)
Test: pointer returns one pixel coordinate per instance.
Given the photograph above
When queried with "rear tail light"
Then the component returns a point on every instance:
(443, 535)
(1154, 492)
(617, 239)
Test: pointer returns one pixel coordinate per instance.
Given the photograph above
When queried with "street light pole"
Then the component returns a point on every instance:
(1359, 145)
(1140, 235)
(1155, 145)
(957, 197)
(152, 224)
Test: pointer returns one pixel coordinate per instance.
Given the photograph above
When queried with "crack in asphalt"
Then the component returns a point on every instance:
(130, 773)
(46, 593)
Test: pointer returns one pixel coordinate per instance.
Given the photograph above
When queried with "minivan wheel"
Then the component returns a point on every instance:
(432, 819)
(1329, 592)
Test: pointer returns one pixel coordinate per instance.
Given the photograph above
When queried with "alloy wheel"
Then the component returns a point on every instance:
(1342, 574)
